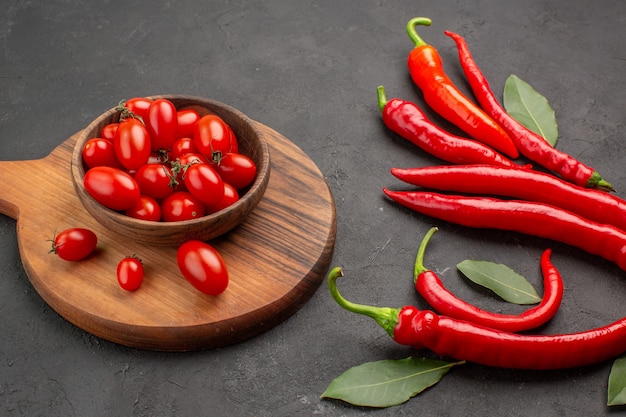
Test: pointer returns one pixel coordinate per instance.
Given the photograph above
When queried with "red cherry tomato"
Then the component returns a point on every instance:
(187, 119)
(130, 273)
(155, 180)
(230, 197)
(181, 147)
(162, 124)
(180, 206)
(203, 266)
(236, 169)
(213, 135)
(108, 131)
(204, 183)
(132, 144)
(100, 152)
(74, 244)
(112, 187)
(139, 106)
(147, 208)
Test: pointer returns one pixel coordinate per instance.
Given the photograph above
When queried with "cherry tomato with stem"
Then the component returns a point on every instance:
(132, 144)
(212, 135)
(74, 244)
(180, 206)
(139, 106)
(100, 152)
(162, 123)
(112, 187)
(204, 183)
(187, 119)
(203, 266)
(236, 169)
(147, 208)
(130, 273)
(155, 180)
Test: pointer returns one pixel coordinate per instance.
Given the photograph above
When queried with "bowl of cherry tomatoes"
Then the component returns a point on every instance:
(163, 170)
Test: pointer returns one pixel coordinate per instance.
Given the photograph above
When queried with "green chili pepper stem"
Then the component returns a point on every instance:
(382, 98)
(419, 259)
(410, 29)
(386, 317)
(596, 181)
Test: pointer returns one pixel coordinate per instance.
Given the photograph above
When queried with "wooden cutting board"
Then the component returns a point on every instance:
(277, 258)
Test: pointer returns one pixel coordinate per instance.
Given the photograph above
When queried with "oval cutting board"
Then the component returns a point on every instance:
(277, 258)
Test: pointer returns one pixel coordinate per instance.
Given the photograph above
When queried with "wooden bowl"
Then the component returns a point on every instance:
(251, 143)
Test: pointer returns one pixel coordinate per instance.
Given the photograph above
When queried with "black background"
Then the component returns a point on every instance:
(309, 70)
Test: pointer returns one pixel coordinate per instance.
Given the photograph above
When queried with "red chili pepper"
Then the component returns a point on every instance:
(525, 184)
(536, 219)
(426, 69)
(530, 144)
(407, 120)
(459, 339)
(430, 287)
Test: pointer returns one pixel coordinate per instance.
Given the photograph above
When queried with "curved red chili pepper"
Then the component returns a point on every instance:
(430, 287)
(459, 339)
(525, 184)
(531, 145)
(407, 120)
(536, 219)
(426, 69)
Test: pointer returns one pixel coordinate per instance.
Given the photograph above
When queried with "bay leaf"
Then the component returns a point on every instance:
(500, 279)
(617, 383)
(388, 382)
(530, 108)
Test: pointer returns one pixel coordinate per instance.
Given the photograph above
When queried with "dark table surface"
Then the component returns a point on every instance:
(310, 71)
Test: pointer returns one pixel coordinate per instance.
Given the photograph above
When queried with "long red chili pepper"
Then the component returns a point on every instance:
(430, 287)
(426, 69)
(536, 219)
(459, 339)
(524, 184)
(529, 144)
(407, 120)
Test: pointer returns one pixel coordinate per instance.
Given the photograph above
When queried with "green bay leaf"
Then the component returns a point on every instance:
(388, 382)
(617, 383)
(500, 279)
(530, 108)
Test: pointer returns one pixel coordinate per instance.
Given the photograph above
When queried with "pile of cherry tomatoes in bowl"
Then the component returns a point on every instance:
(158, 163)
(163, 170)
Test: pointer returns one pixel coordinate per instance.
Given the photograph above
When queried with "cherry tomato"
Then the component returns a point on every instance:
(132, 144)
(203, 266)
(236, 169)
(108, 131)
(181, 147)
(204, 183)
(139, 106)
(112, 187)
(179, 206)
(213, 135)
(74, 244)
(162, 123)
(155, 180)
(187, 119)
(230, 197)
(147, 208)
(100, 152)
(130, 273)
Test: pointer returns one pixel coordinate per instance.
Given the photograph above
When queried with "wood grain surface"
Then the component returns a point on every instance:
(277, 258)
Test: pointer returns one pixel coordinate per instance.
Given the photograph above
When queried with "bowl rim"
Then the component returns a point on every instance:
(78, 170)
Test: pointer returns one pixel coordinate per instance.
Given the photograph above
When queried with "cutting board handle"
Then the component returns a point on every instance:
(26, 183)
